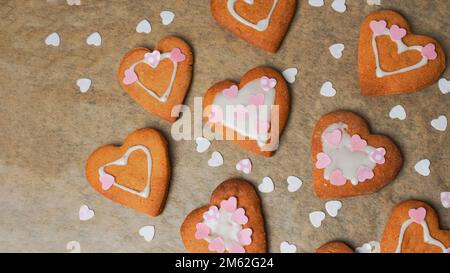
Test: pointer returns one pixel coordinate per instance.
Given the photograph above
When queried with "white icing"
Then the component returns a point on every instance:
(224, 227)
(426, 236)
(261, 25)
(402, 47)
(124, 161)
(342, 157)
(166, 94)
(261, 114)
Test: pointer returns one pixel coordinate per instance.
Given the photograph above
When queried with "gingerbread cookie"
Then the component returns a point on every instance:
(413, 227)
(252, 113)
(135, 174)
(232, 222)
(392, 60)
(334, 247)
(158, 80)
(263, 23)
(349, 160)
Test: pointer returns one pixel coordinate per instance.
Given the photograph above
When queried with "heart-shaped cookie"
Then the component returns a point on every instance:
(232, 222)
(348, 159)
(263, 23)
(135, 174)
(252, 113)
(158, 80)
(413, 227)
(392, 60)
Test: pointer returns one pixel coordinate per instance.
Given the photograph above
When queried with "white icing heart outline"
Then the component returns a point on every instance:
(124, 161)
(261, 25)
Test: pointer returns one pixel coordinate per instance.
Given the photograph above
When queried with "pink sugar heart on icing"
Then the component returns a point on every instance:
(202, 231)
(245, 236)
(377, 155)
(429, 51)
(417, 215)
(357, 143)
(130, 76)
(337, 178)
(268, 83)
(378, 27)
(217, 245)
(323, 161)
(257, 99)
(216, 115)
(241, 111)
(231, 92)
(334, 137)
(107, 181)
(364, 173)
(239, 217)
(263, 127)
(212, 214)
(153, 58)
(229, 205)
(397, 33)
(236, 248)
(176, 55)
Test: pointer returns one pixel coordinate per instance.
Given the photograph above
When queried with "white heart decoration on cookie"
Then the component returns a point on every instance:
(444, 86)
(286, 247)
(339, 6)
(316, 3)
(398, 112)
(94, 39)
(167, 17)
(336, 50)
(73, 247)
(332, 207)
(85, 213)
(216, 159)
(327, 90)
(148, 232)
(144, 26)
(423, 167)
(290, 74)
(53, 39)
(202, 144)
(316, 218)
(266, 185)
(294, 183)
(440, 123)
(244, 165)
(84, 84)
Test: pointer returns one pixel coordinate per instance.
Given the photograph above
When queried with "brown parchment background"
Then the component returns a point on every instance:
(48, 127)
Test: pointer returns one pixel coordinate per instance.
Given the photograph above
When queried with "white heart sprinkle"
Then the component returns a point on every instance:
(444, 86)
(74, 2)
(244, 165)
(371, 247)
(148, 232)
(336, 50)
(327, 90)
(202, 144)
(73, 247)
(445, 199)
(84, 84)
(94, 39)
(440, 123)
(266, 185)
(286, 247)
(374, 2)
(397, 112)
(167, 17)
(339, 6)
(332, 207)
(85, 213)
(423, 167)
(316, 3)
(53, 39)
(144, 26)
(316, 218)
(294, 183)
(290, 74)
(216, 159)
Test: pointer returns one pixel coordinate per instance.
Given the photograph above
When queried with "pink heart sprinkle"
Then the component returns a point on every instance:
(357, 143)
(216, 115)
(378, 27)
(334, 137)
(337, 178)
(397, 33)
(130, 76)
(257, 99)
(107, 181)
(217, 245)
(153, 58)
(229, 205)
(244, 165)
(202, 231)
(212, 214)
(364, 173)
(176, 55)
(239, 217)
(417, 215)
(241, 111)
(429, 51)
(445, 199)
(231, 93)
(245, 236)
(323, 161)
(267, 83)
(236, 248)
(263, 127)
